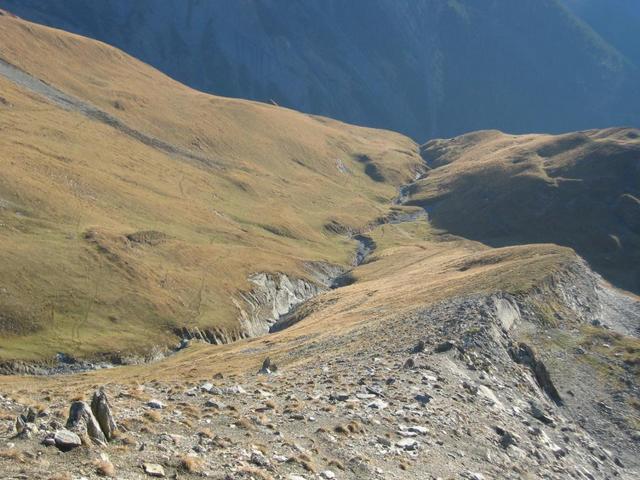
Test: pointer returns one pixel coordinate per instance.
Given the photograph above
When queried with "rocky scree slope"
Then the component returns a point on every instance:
(462, 388)
(524, 66)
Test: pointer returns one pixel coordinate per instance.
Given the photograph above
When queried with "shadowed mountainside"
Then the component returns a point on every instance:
(617, 21)
(526, 66)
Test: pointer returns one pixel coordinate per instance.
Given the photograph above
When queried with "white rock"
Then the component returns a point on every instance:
(153, 470)
(328, 474)
(418, 429)
(408, 444)
(487, 393)
(378, 404)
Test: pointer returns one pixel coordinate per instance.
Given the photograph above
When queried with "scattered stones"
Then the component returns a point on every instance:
(418, 429)
(235, 390)
(340, 396)
(257, 458)
(538, 414)
(419, 347)
(215, 403)
(358, 413)
(410, 363)
(207, 387)
(507, 439)
(20, 425)
(378, 404)
(476, 476)
(423, 398)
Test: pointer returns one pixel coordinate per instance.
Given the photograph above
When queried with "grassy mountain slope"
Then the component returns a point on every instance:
(109, 242)
(580, 190)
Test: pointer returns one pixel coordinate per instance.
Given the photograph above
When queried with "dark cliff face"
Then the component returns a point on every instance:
(617, 21)
(427, 68)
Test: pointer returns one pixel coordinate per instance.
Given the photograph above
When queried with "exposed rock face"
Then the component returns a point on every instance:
(276, 295)
(272, 297)
(215, 336)
(82, 420)
(524, 354)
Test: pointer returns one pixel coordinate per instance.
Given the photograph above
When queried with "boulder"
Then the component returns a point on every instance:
(82, 420)
(408, 444)
(268, 367)
(102, 411)
(65, 440)
(445, 346)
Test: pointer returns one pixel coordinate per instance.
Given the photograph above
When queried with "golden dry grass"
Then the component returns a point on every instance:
(420, 271)
(73, 189)
(190, 463)
(105, 468)
(579, 190)
(77, 274)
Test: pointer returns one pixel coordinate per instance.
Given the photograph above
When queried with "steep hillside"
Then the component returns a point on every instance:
(299, 289)
(580, 190)
(132, 206)
(527, 66)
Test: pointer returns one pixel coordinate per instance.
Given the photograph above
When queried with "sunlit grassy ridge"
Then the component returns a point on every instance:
(581, 190)
(76, 274)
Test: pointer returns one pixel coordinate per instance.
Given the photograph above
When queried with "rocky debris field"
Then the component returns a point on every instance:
(444, 393)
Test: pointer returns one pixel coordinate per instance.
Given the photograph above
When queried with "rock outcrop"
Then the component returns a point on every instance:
(82, 421)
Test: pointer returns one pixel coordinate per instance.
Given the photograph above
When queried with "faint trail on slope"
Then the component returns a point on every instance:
(71, 103)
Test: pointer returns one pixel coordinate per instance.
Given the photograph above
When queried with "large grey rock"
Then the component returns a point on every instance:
(102, 411)
(82, 420)
(66, 440)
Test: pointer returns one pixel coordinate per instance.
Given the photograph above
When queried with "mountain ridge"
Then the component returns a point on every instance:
(464, 67)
